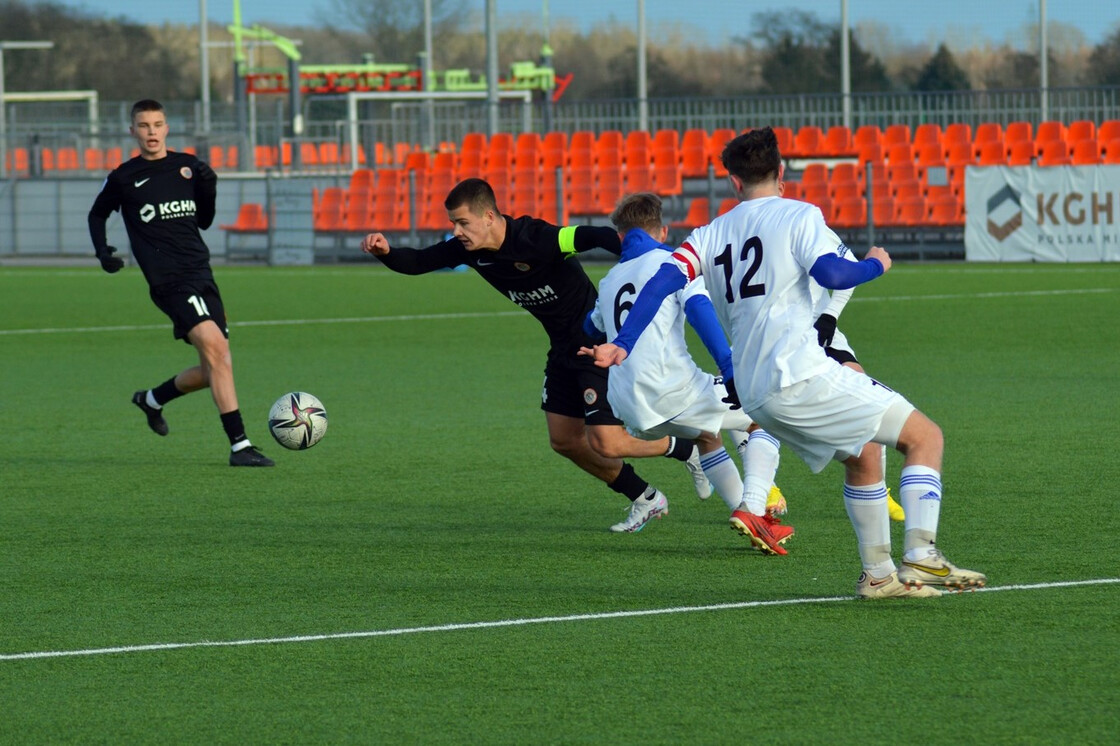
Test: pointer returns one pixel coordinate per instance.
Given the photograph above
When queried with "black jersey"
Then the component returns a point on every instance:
(535, 267)
(164, 203)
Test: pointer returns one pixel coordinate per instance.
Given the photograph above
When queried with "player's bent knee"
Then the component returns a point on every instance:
(606, 442)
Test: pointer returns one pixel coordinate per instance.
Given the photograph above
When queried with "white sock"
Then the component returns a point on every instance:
(919, 492)
(867, 509)
(240, 445)
(760, 464)
(723, 473)
(150, 399)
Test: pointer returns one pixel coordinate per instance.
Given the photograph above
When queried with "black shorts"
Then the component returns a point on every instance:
(575, 387)
(188, 304)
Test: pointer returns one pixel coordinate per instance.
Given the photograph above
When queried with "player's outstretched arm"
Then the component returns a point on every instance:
(375, 244)
(605, 355)
(836, 273)
(880, 254)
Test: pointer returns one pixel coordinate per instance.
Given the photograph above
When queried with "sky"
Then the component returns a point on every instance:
(931, 21)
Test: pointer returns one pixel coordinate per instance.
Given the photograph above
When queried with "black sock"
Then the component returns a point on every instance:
(235, 429)
(629, 483)
(166, 391)
(680, 448)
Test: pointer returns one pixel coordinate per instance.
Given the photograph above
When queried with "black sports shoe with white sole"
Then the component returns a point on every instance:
(155, 416)
(249, 457)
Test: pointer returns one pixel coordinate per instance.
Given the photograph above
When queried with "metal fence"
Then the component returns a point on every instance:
(53, 124)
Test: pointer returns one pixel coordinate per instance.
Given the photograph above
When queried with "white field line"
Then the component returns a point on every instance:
(500, 623)
(495, 314)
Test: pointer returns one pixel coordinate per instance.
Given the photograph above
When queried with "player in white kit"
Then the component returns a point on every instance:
(757, 261)
(827, 309)
(661, 391)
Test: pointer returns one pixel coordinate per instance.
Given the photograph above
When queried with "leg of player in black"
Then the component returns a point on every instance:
(216, 364)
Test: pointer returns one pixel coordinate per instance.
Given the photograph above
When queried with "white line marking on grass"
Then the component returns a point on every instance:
(499, 623)
(496, 314)
(273, 322)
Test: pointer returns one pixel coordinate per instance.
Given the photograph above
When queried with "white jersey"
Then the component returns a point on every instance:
(755, 260)
(659, 379)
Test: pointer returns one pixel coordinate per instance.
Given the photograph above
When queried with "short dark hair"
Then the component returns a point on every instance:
(145, 104)
(753, 156)
(639, 210)
(477, 194)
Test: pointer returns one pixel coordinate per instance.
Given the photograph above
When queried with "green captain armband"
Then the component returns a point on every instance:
(568, 240)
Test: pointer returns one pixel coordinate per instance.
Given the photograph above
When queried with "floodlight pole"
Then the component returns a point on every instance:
(3, 103)
(1043, 63)
(204, 69)
(845, 65)
(643, 83)
(492, 121)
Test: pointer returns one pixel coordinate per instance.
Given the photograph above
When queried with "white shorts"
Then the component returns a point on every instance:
(833, 416)
(707, 414)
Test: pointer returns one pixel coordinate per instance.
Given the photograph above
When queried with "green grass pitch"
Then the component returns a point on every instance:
(435, 514)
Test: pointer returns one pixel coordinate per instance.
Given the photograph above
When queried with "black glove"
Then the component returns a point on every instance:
(205, 173)
(826, 329)
(732, 398)
(109, 263)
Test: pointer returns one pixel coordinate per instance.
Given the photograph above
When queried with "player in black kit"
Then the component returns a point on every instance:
(534, 264)
(165, 198)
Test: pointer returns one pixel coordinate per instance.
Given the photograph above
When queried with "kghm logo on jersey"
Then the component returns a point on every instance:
(530, 298)
(147, 212)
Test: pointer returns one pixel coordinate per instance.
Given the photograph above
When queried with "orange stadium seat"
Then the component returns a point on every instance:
(727, 205)
(1111, 151)
(554, 151)
(985, 133)
(868, 134)
(815, 174)
(911, 211)
(1081, 129)
(959, 154)
(786, 140)
(991, 153)
(896, 134)
(809, 141)
(946, 212)
(1017, 132)
(716, 143)
(791, 190)
(928, 134)
(1022, 153)
(1086, 152)
(699, 213)
(957, 133)
(1108, 131)
(1049, 131)
(1054, 153)
(871, 152)
(838, 141)
(883, 212)
(667, 171)
(849, 213)
(902, 152)
(328, 213)
(359, 211)
(251, 218)
(694, 154)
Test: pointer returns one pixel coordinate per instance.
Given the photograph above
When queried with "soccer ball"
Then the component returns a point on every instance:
(297, 420)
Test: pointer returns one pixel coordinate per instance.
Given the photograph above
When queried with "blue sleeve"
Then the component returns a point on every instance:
(701, 315)
(592, 331)
(837, 273)
(668, 280)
